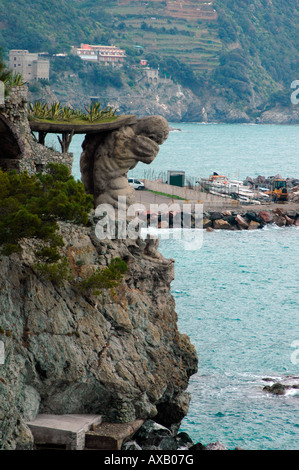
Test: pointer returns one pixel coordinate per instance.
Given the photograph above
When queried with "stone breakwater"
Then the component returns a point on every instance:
(227, 219)
(250, 220)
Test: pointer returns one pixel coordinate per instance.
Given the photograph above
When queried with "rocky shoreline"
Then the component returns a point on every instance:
(154, 436)
(249, 219)
(227, 219)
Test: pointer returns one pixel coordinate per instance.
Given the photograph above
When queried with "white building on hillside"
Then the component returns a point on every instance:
(29, 65)
(107, 55)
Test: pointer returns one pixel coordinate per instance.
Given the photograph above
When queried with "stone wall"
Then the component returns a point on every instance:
(19, 150)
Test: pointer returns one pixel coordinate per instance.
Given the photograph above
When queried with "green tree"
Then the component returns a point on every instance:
(31, 206)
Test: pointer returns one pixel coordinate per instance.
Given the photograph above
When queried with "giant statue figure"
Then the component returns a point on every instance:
(108, 156)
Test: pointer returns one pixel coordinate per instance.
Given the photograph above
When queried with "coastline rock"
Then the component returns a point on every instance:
(215, 216)
(289, 220)
(288, 382)
(119, 355)
(216, 446)
(242, 223)
(279, 220)
(280, 115)
(220, 224)
(253, 225)
(184, 440)
(266, 217)
(250, 215)
(197, 446)
(151, 434)
(275, 389)
(206, 223)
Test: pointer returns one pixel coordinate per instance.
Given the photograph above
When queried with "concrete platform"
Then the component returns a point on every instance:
(63, 430)
(110, 436)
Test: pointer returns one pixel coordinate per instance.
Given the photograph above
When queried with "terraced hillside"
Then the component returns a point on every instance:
(245, 51)
(185, 29)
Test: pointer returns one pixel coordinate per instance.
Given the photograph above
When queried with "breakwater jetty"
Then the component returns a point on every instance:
(250, 219)
(242, 219)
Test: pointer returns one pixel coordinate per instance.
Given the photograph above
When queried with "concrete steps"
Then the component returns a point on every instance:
(110, 436)
(79, 432)
(62, 430)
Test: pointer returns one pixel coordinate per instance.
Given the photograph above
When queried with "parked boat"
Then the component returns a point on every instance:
(220, 185)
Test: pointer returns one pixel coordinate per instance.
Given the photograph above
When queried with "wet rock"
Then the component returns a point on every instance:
(206, 222)
(251, 215)
(275, 389)
(220, 224)
(131, 445)
(253, 225)
(266, 217)
(289, 220)
(279, 211)
(184, 440)
(151, 434)
(215, 215)
(230, 219)
(168, 443)
(209, 229)
(172, 412)
(197, 446)
(242, 223)
(291, 213)
(279, 220)
(216, 446)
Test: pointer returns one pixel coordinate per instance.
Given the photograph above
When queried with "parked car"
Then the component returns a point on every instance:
(135, 183)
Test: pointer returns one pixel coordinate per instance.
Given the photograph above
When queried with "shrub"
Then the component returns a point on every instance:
(31, 205)
(105, 278)
(56, 273)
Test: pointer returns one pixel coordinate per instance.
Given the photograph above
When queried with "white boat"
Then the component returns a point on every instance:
(222, 186)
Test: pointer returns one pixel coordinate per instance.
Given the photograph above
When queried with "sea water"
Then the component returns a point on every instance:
(237, 297)
(236, 293)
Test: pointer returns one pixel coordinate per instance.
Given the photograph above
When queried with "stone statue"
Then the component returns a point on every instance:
(108, 156)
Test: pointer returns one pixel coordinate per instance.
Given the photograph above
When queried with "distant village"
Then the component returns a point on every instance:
(36, 66)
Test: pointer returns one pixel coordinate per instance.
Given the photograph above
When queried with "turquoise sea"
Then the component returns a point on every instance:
(237, 293)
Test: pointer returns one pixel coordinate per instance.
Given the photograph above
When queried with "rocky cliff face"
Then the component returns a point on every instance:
(172, 101)
(118, 354)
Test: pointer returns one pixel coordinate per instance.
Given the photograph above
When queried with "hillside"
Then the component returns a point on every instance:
(242, 52)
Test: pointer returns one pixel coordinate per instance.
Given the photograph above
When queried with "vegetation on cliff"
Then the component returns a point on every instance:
(31, 205)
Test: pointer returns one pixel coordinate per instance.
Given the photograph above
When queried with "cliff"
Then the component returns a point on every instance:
(118, 354)
(65, 349)
(175, 102)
